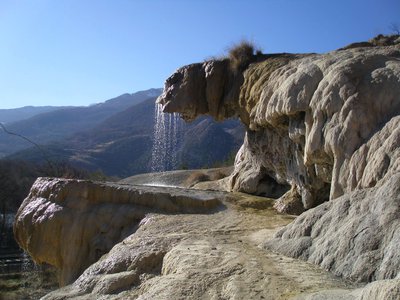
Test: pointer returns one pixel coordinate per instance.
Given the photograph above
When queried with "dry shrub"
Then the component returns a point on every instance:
(241, 55)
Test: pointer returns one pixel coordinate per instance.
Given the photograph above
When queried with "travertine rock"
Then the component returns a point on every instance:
(356, 236)
(202, 256)
(315, 122)
(381, 289)
(202, 88)
(70, 224)
(319, 127)
(325, 127)
(181, 178)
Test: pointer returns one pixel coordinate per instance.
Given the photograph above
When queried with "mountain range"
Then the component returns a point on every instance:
(57, 124)
(26, 112)
(116, 137)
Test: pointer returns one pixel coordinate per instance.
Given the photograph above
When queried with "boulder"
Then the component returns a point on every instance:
(70, 224)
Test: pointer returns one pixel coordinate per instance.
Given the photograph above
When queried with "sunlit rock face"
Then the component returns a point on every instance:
(70, 224)
(327, 127)
(202, 88)
(318, 125)
(356, 236)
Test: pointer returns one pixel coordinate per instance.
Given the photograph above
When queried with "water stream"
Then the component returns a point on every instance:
(168, 132)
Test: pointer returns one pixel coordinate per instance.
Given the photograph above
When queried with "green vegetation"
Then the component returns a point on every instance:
(17, 177)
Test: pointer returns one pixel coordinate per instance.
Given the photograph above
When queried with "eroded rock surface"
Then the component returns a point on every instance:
(70, 224)
(356, 236)
(319, 127)
(202, 256)
(314, 122)
(208, 88)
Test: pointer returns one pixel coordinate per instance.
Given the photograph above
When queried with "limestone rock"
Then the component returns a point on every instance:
(290, 203)
(179, 255)
(202, 88)
(314, 122)
(70, 224)
(382, 289)
(319, 127)
(356, 236)
(200, 256)
(322, 127)
(379, 40)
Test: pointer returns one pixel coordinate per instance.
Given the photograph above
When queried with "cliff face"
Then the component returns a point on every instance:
(318, 125)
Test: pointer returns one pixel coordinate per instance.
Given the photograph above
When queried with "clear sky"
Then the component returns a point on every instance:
(78, 52)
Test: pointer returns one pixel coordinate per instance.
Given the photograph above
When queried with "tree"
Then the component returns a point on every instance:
(45, 156)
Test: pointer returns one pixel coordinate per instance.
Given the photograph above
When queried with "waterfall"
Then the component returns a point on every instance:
(168, 132)
(27, 265)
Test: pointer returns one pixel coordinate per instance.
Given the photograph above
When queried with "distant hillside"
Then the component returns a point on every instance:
(22, 113)
(59, 124)
(121, 145)
(207, 142)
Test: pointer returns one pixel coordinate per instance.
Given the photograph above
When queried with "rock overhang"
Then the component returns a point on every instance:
(317, 108)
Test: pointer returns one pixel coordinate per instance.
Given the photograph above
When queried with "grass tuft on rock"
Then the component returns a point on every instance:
(242, 54)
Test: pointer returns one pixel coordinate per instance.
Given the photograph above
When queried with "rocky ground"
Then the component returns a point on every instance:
(213, 251)
(203, 256)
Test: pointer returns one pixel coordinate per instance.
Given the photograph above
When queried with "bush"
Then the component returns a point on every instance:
(241, 55)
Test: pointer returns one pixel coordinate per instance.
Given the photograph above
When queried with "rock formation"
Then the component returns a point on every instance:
(355, 236)
(201, 256)
(318, 125)
(70, 224)
(170, 255)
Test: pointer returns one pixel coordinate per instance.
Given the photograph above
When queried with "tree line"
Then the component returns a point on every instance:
(17, 177)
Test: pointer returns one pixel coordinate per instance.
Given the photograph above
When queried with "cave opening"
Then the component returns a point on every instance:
(270, 188)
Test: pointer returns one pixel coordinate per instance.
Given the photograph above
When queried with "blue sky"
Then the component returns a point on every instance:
(77, 52)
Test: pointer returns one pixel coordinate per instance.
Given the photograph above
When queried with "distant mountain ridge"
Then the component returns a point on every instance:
(58, 124)
(26, 112)
(122, 144)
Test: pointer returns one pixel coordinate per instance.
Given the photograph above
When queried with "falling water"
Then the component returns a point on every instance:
(27, 264)
(168, 131)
